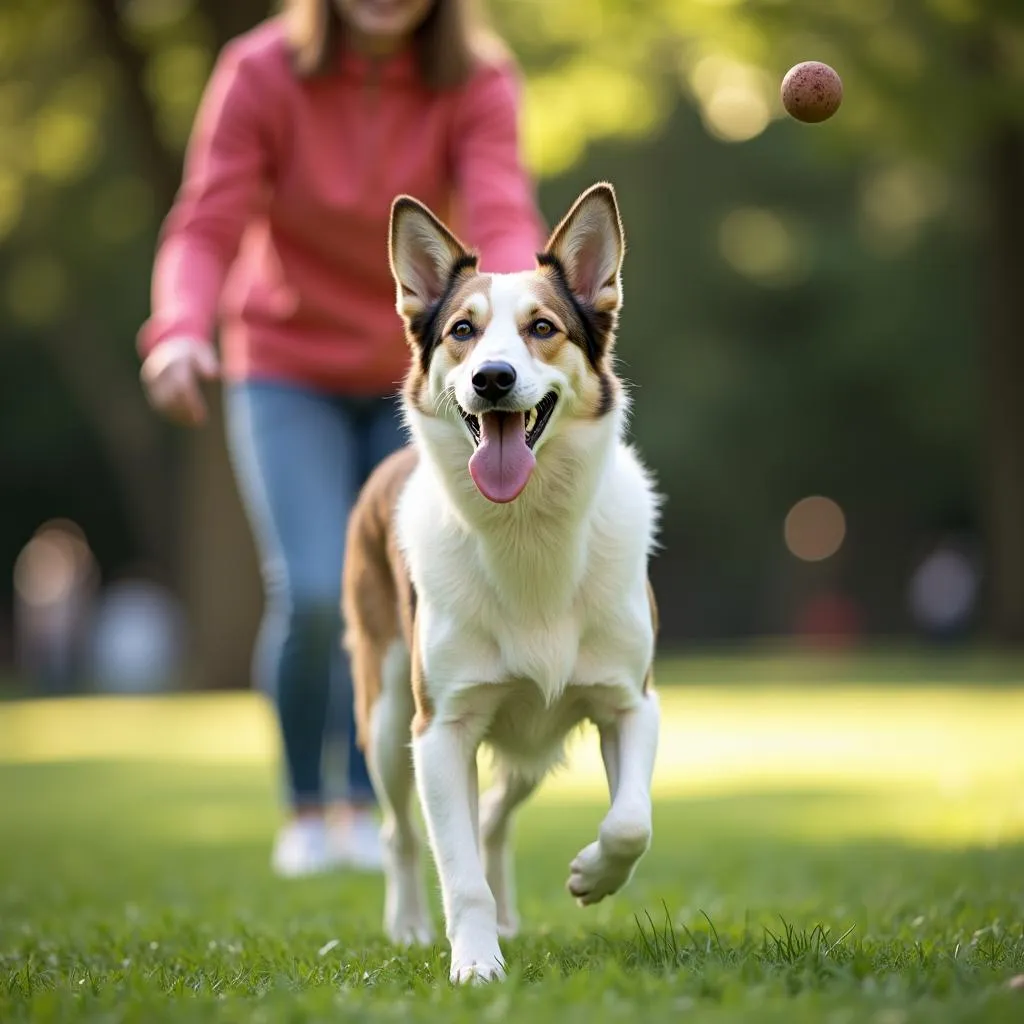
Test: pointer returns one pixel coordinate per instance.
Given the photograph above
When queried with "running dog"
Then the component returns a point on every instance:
(495, 584)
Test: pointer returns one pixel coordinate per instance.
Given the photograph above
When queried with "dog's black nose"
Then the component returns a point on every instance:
(493, 381)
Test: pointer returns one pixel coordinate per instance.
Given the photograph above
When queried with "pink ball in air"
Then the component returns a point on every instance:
(811, 92)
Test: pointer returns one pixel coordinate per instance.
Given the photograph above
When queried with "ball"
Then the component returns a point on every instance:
(811, 92)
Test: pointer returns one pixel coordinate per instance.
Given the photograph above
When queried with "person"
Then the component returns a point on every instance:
(311, 123)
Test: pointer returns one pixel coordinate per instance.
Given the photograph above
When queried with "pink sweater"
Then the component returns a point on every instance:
(295, 178)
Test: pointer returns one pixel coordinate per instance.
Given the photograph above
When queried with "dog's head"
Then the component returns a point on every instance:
(503, 362)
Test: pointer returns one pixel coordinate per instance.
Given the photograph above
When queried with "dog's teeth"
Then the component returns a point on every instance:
(531, 418)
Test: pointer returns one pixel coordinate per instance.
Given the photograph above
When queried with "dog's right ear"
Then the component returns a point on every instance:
(587, 248)
(425, 257)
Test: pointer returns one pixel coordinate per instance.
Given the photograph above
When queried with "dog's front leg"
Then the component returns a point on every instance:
(445, 759)
(629, 745)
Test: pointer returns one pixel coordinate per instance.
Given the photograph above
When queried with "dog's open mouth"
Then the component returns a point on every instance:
(504, 459)
(534, 423)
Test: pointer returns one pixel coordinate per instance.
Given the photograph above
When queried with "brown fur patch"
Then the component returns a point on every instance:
(458, 306)
(552, 302)
(451, 308)
(424, 706)
(416, 389)
(592, 329)
(378, 599)
(595, 382)
(653, 604)
(655, 622)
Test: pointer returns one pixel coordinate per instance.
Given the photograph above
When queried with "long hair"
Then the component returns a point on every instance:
(449, 42)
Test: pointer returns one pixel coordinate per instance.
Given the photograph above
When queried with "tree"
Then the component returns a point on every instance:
(99, 95)
(936, 89)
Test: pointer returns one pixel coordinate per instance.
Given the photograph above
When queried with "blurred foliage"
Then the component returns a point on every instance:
(921, 76)
(802, 303)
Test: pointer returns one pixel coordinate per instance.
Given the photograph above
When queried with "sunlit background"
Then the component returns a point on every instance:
(823, 335)
(822, 325)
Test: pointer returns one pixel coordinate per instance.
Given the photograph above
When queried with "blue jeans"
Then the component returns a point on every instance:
(300, 458)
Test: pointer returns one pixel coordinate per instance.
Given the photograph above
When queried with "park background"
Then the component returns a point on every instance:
(831, 312)
(824, 335)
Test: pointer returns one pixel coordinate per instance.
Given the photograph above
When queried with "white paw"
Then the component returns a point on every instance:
(477, 958)
(508, 926)
(411, 931)
(476, 972)
(594, 875)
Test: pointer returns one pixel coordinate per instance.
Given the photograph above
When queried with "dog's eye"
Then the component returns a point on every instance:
(463, 330)
(542, 328)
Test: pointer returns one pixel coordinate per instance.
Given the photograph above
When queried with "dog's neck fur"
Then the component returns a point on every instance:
(534, 549)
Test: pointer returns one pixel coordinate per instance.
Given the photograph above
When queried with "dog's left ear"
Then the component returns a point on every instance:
(589, 246)
(424, 256)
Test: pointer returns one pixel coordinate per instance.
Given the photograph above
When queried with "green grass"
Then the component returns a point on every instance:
(852, 851)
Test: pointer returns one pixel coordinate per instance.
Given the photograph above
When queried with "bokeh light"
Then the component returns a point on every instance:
(174, 81)
(52, 563)
(898, 200)
(814, 529)
(580, 101)
(734, 98)
(65, 144)
(760, 245)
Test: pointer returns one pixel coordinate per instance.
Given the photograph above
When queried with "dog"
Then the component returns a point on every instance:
(495, 588)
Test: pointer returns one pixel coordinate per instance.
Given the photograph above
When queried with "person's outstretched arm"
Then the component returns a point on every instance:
(226, 181)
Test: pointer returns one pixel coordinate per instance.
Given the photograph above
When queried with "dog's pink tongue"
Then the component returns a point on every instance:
(502, 462)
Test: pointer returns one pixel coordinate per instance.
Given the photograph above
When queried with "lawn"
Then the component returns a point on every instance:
(832, 843)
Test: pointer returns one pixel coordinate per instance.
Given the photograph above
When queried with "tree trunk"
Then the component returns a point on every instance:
(1004, 386)
(112, 399)
(213, 563)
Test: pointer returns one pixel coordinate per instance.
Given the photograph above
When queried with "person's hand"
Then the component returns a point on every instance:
(172, 374)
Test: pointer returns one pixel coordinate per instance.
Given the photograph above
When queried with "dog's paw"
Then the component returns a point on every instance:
(476, 972)
(508, 926)
(476, 957)
(594, 875)
(411, 932)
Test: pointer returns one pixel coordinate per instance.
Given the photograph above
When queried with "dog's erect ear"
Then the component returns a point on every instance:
(424, 256)
(589, 245)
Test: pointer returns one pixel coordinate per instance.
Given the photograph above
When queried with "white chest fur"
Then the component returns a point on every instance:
(525, 608)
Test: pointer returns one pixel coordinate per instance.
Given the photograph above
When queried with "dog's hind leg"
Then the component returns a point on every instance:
(406, 919)
(376, 603)
(497, 809)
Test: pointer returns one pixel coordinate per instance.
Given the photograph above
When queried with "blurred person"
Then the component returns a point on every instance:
(56, 580)
(310, 125)
(943, 591)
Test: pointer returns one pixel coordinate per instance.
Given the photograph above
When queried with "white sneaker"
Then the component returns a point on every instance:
(356, 841)
(302, 848)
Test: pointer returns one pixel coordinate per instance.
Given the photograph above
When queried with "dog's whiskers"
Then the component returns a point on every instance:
(445, 402)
